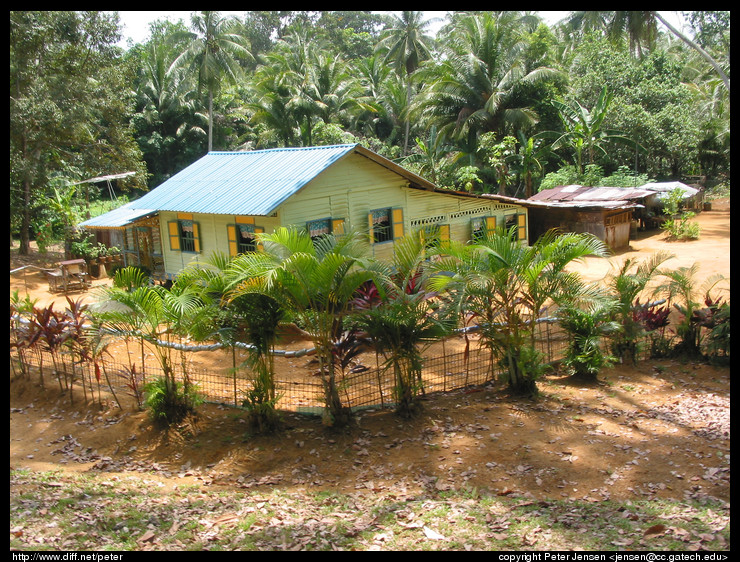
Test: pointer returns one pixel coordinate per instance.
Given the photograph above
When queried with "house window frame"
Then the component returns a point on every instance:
(234, 235)
(187, 237)
(488, 225)
(393, 230)
(245, 247)
(519, 221)
(180, 238)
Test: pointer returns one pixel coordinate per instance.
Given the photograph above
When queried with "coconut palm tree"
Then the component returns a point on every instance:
(472, 90)
(315, 280)
(505, 285)
(407, 45)
(216, 48)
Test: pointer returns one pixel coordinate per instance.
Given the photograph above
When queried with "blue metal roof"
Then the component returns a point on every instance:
(118, 218)
(242, 183)
(250, 183)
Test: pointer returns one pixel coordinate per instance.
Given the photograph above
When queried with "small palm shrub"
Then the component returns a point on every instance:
(169, 401)
(587, 326)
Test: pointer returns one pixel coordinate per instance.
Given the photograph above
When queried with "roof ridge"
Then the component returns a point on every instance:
(285, 149)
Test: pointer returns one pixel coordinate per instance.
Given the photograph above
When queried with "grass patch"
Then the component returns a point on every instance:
(91, 512)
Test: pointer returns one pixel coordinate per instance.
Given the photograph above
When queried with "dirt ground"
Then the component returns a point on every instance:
(660, 429)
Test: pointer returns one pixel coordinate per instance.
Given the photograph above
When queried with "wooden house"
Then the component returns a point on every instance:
(220, 202)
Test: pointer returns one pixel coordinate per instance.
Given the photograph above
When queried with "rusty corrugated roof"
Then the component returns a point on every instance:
(582, 196)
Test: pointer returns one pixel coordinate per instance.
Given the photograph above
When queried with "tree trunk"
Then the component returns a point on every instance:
(697, 48)
(210, 120)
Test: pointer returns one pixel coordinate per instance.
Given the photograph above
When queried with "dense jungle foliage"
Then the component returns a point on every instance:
(482, 101)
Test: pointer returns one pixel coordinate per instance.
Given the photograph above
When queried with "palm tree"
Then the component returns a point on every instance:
(162, 318)
(429, 156)
(252, 319)
(407, 319)
(532, 151)
(505, 286)
(300, 83)
(313, 279)
(406, 44)
(587, 322)
(215, 50)
(472, 90)
(627, 285)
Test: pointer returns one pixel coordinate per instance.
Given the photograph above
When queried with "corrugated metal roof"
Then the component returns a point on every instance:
(118, 218)
(578, 194)
(664, 188)
(252, 183)
(242, 183)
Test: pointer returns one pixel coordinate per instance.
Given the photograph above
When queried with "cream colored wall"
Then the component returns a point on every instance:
(213, 236)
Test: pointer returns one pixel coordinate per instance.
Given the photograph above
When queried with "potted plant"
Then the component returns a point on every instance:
(114, 253)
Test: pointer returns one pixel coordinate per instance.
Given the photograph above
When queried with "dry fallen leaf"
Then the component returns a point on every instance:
(655, 530)
(432, 534)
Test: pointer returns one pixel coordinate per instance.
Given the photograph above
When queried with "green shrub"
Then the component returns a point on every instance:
(170, 401)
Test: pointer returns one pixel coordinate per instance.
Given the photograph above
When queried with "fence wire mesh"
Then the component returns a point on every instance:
(448, 365)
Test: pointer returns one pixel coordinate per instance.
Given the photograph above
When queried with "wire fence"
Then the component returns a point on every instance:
(448, 365)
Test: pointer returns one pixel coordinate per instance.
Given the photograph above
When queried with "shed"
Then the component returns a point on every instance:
(691, 195)
(221, 201)
(606, 212)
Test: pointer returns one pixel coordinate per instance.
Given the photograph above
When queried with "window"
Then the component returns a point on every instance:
(184, 235)
(318, 228)
(385, 224)
(434, 233)
(246, 240)
(517, 222)
(187, 236)
(243, 236)
(380, 225)
(481, 227)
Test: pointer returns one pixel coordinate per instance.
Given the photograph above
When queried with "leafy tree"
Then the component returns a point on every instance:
(69, 104)
(584, 130)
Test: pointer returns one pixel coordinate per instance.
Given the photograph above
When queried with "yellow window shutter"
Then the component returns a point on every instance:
(196, 236)
(444, 232)
(522, 224)
(258, 230)
(370, 226)
(245, 220)
(231, 231)
(173, 231)
(490, 225)
(337, 227)
(397, 220)
(185, 216)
